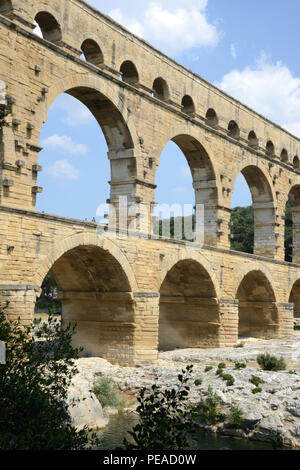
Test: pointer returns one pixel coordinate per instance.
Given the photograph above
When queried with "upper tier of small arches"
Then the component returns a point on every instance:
(93, 52)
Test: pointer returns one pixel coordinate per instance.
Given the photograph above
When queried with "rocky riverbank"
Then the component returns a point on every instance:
(268, 415)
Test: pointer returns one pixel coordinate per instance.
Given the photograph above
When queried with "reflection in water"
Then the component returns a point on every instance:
(119, 425)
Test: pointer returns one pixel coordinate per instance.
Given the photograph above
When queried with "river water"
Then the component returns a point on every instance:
(113, 435)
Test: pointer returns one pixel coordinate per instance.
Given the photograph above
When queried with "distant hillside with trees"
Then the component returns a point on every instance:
(242, 230)
(288, 239)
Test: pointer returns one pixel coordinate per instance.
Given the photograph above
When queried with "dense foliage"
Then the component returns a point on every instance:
(288, 239)
(242, 229)
(49, 286)
(268, 362)
(33, 387)
(107, 393)
(49, 296)
(5, 110)
(168, 230)
(209, 408)
(236, 415)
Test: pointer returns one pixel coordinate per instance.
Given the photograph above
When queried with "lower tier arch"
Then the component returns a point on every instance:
(96, 296)
(257, 308)
(188, 310)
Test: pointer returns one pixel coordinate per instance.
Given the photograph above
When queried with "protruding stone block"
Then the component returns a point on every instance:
(37, 189)
(37, 168)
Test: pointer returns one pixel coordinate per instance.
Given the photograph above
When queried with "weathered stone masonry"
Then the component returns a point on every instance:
(131, 296)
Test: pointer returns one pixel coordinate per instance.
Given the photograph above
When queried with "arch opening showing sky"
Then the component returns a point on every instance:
(76, 168)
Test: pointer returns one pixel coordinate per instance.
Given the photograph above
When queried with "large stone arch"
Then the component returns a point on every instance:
(186, 254)
(258, 314)
(204, 180)
(251, 170)
(111, 99)
(294, 298)
(94, 280)
(242, 269)
(84, 239)
(189, 140)
(189, 311)
(263, 200)
(293, 198)
(109, 109)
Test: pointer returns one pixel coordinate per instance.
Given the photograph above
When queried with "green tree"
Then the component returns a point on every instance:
(49, 286)
(288, 236)
(188, 221)
(34, 385)
(242, 229)
(5, 110)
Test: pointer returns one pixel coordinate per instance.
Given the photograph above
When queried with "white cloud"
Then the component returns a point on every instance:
(137, 8)
(270, 89)
(293, 127)
(233, 51)
(75, 112)
(133, 24)
(62, 169)
(65, 143)
(80, 116)
(172, 26)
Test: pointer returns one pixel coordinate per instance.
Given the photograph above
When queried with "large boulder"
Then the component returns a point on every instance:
(84, 408)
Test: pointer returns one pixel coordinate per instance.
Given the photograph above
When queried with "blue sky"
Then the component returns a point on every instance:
(248, 49)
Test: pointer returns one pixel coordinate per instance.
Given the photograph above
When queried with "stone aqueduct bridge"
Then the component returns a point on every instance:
(130, 295)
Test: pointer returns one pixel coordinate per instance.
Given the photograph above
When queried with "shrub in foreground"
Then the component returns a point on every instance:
(255, 380)
(209, 408)
(229, 379)
(240, 365)
(167, 421)
(236, 416)
(107, 393)
(272, 363)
